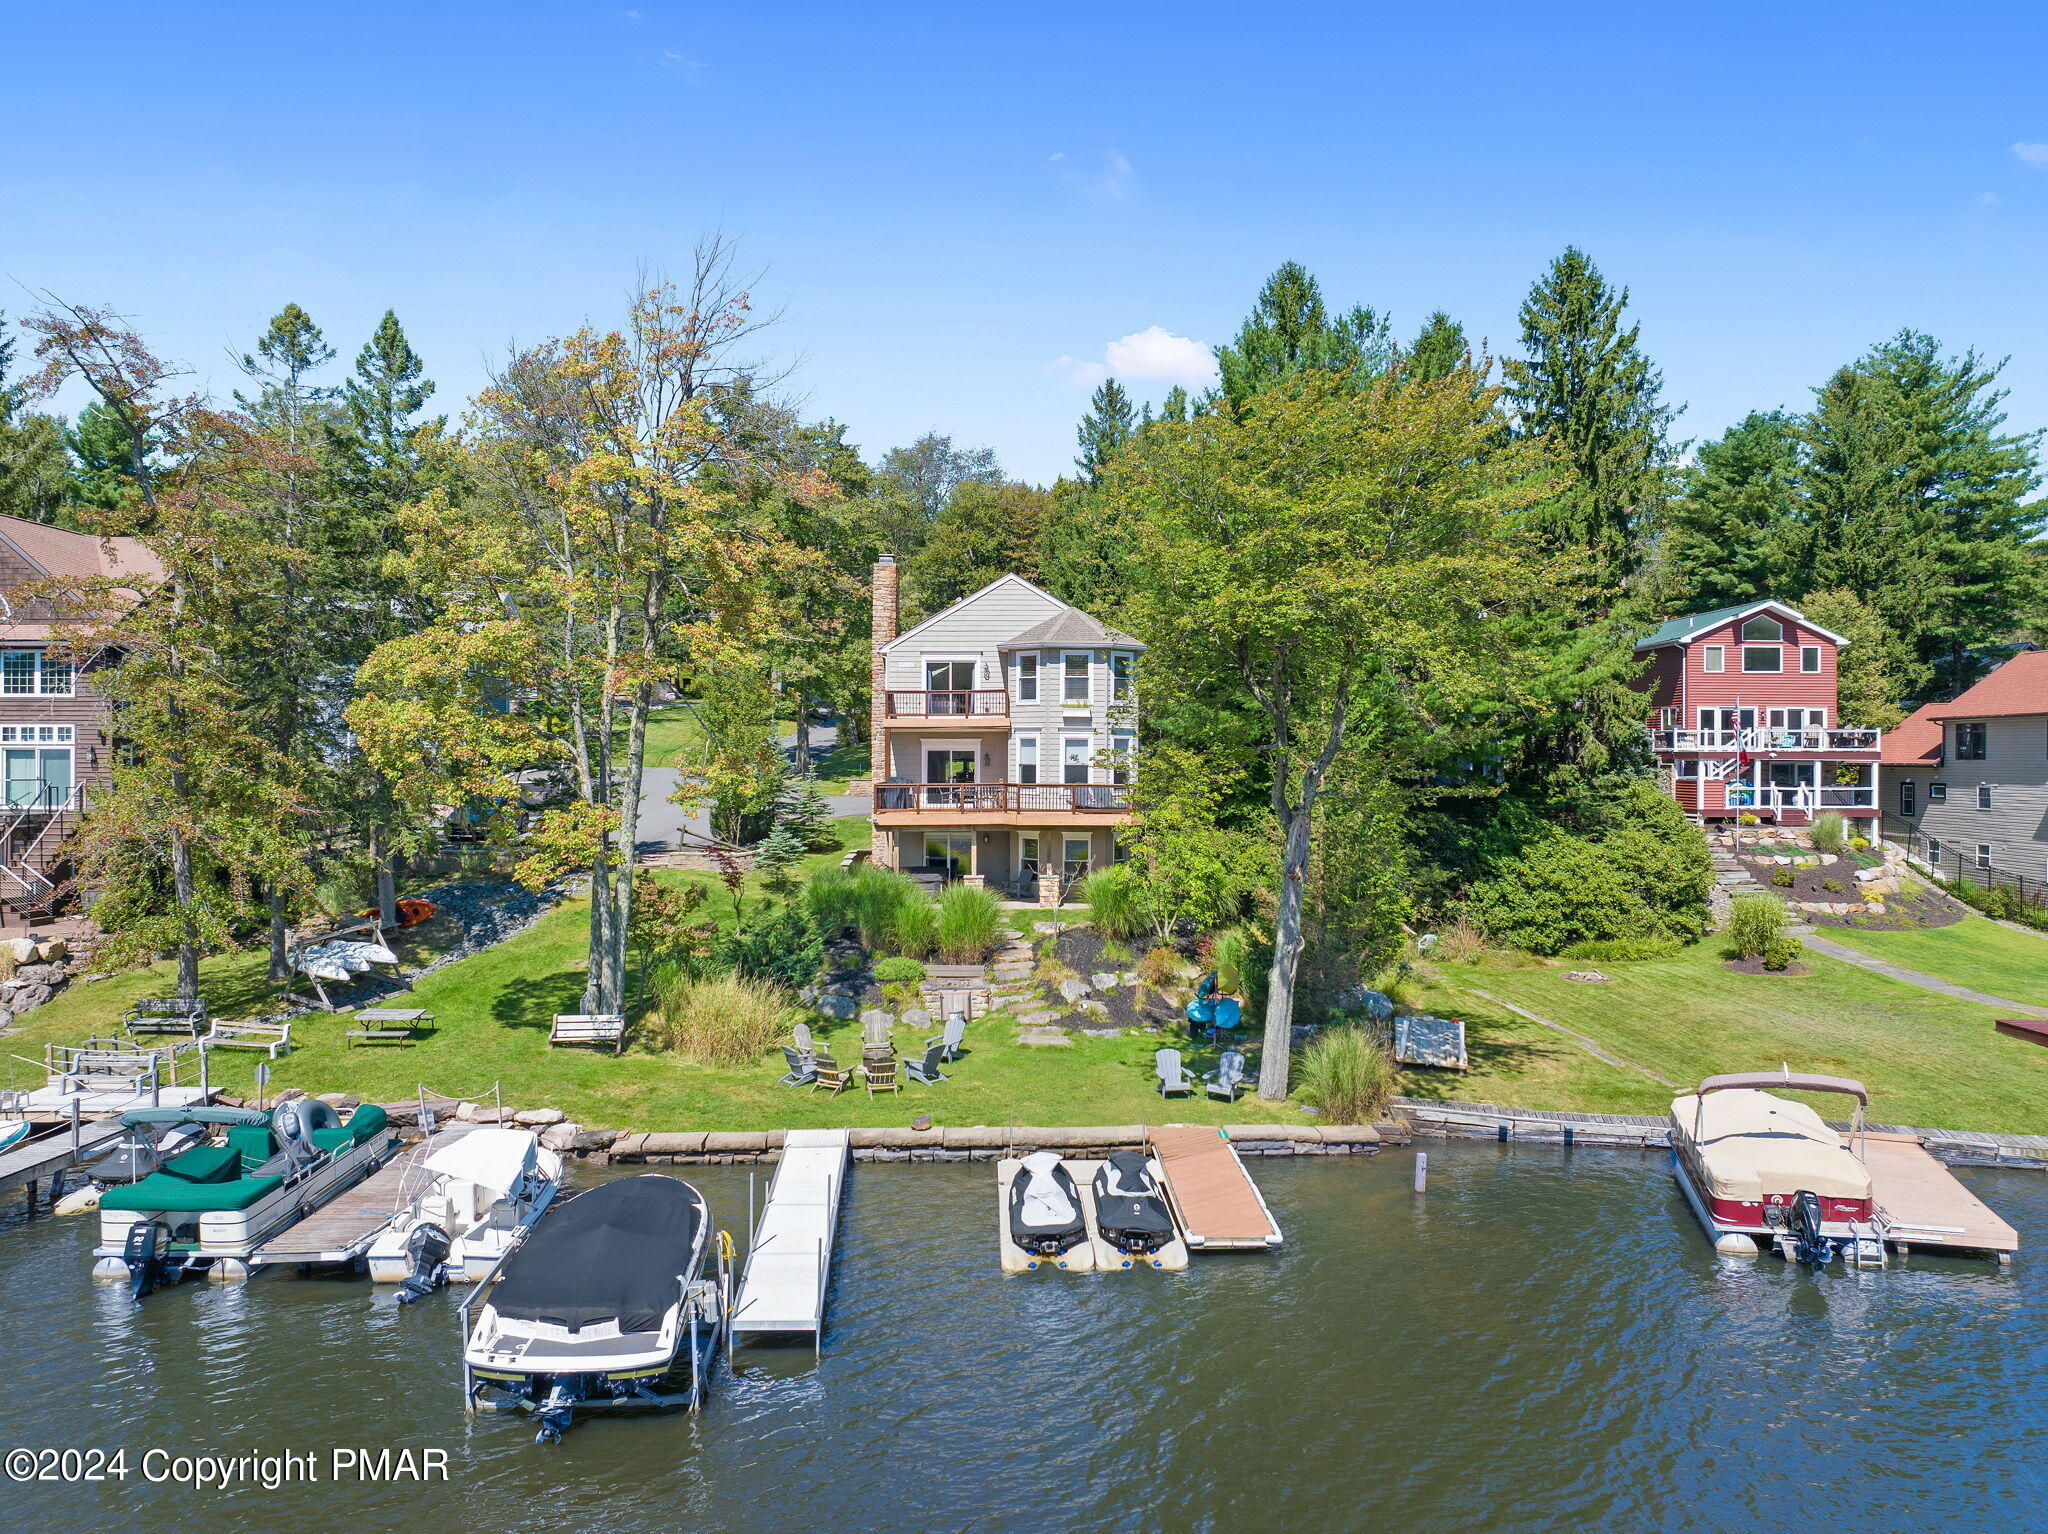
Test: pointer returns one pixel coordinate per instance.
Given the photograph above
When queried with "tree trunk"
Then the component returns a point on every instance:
(1287, 946)
(381, 860)
(800, 757)
(280, 969)
(188, 943)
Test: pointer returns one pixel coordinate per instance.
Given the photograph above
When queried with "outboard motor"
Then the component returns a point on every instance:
(1808, 1244)
(557, 1410)
(143, 1252)
(428, 1247)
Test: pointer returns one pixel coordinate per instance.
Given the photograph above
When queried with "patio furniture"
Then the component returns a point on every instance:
(1172, 1077)
(829, 1074)
(880, 1075)
(803, 1069)
(273, 1039)
(802, 1034)
(926, 1072)
(168, 1014)
(388, 1025)
(874, 1034)
(1227, 1080)
(949, 1043)
(591, 1028)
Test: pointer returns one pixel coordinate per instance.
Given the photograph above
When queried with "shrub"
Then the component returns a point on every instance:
(1618, 950)
(1830, 832)
(896, 969)
(1782, 952)
(1859, 844)
(729, 1021)
(912, 929)
(1833, 886)
(1755, 920)
(1159, 968)
(1230, 955)
(1460, 942)
(1347, 1075)
(1116, 897)
(1745, 819)
(782, 947)
(967, 922)
(865, 898)
(1784, 878)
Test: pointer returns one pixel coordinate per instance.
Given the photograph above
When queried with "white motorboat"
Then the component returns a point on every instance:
(597, 1304)
(461, 1208)
(12, 1135)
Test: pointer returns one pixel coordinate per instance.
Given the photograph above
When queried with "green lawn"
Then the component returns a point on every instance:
(493, 1011)
(1927, 1059)
(1974, 952)
(673, 728)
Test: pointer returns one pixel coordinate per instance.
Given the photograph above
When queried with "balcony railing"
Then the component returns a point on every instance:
(984, 703)
(1741, 796)
(1766, 738)
(992, 798)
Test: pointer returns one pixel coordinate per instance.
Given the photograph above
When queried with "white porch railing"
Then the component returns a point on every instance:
(1744, 796)
(1767, 739)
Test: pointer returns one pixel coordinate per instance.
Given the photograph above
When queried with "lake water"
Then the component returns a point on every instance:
(1544, 1341)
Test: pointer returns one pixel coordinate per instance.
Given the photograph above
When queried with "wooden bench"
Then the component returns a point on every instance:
(595, 1028)
(273, 1039)
(170, 1014)
(388, 1025)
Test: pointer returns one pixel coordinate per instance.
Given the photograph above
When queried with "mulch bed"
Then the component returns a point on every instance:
(1139, 1006)
(1902, 913)
(1756, 967)
(1807, 882)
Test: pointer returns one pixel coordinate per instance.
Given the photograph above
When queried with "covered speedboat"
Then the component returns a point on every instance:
(1044, 1221)
(1759, 1168)
(597, 1304)
(1133, 1224)
(462, 1207)
(207, 1209)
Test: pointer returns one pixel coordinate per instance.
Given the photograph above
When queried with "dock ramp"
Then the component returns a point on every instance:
(789, 1260)
(342, 1229)
(1219, 1207)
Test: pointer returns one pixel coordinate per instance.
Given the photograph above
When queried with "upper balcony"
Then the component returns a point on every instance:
(1770, 739)
(920, 804)
(978, 709)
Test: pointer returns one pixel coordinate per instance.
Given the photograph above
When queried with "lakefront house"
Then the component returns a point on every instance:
(1970, 776)
(1002, 737)
(1744, 717)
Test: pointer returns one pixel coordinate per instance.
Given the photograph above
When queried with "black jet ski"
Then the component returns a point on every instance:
(1130, 1206)
(1045, 1219)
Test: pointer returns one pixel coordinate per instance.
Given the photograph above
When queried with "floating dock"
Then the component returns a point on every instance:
(1928, 1209)
(342, 1229)
(47, 1157)
(789, 1259)
(1218, 1206)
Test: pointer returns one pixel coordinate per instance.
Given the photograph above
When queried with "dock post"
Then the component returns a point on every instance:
(74, 1129)
(1422, 1171)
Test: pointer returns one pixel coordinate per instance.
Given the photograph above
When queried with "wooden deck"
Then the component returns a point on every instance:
(1213, 1197)
(342, 1229)
(46, 1156)
(1928, 1208)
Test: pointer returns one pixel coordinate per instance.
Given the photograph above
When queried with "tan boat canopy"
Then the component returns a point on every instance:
(1785, 1081)
(1752, 1145)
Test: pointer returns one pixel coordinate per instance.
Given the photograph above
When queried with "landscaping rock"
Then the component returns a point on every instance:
(23, 949)
(842, 1008)
(1073, 990)
(38, 974)
(288, 1095)
(1039, 1019)
(689, 1143)
(52, 950)
(1590, 976)
(1045, 1038)
(561, 1136)
(1104, 979)
(917, 1017)
(28, 998)
(340, 1101)
(538, 1117)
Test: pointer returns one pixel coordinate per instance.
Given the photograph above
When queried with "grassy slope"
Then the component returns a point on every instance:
(493, 1011)
(1927, 1059)
(671, 729)
(1974, 952)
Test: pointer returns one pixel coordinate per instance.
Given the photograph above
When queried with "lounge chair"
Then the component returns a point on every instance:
(803, 1069)
(951, 1041)
(879, 1075)
(1172, 1078)
(1227, 1080)
(926, 1072)
(802, 1034)
(828, 1073)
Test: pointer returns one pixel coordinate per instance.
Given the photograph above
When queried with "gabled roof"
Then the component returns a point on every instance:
(1680, 630)
(1916, 742)
(2018, 687)
(1071, 626)
(1001, 581)
(58, 551)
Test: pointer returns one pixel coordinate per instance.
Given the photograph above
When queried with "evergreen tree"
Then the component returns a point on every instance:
(380, 436)
(1291, 331)
(1104, 429)
(1175, 406)
(1087, 551)
(35, 473)
(986, 531)
(779, 855)
(103, 476)
(1439, 348)
(291, 349)
(1871, 667)
(1587, 386)
(1732, 534)
(803, 812)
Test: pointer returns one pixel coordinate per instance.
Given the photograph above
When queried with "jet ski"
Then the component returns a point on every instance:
(1044, 1219)
(1133, 1225)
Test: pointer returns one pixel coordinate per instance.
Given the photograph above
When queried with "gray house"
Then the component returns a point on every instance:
(1971, 776)
(1002, 738)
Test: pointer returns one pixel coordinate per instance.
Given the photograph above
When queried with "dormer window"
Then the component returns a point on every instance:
(1764, 628)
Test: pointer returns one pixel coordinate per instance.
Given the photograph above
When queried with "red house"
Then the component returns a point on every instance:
(1744, 717)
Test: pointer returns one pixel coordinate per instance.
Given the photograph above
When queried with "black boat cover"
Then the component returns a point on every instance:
(615, 1252)
(1127, 1197)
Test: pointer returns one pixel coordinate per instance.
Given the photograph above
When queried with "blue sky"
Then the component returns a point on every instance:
(961, 209)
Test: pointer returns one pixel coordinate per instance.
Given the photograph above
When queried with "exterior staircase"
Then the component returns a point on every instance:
(33, 848)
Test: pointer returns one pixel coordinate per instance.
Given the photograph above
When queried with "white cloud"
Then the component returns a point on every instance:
(2031, 154)
(1081, 375)
(1153, 356)
(1108, 176)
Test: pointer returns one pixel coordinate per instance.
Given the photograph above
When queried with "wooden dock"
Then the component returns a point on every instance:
(47, 1157)
(1928, 1209)
(342, 1229)
(789, 1259)
(1217, 1204)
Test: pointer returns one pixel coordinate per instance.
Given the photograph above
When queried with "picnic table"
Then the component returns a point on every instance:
(389, 1025)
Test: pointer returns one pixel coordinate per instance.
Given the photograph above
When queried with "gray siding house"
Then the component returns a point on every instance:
(1002, 737)
(1971, 775)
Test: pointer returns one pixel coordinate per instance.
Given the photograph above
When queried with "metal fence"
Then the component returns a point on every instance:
(1958, 865)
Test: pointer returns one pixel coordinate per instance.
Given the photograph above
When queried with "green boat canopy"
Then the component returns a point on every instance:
(136, 1116)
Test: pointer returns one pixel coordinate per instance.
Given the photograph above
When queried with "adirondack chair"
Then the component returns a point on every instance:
(1227, 1080)
(1172, 1078)
(879, 1075)
(802, 1034)
(950, 1043)
(926, 1072)
(829, 1074)
(803, 1069)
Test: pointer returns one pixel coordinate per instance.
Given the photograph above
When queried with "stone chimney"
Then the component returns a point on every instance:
(878, 704)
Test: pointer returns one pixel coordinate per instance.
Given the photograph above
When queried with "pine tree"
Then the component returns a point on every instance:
(1438, 348)
(1290, 331)
(103, 478)
(1871, 668)
(380, 435)
(803, 812)
(1104, 429)
(780, 853)
(1175, 406)
(1733, 533)
(1587, 386)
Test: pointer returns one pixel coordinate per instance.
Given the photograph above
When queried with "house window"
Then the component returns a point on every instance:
(34, 673)
(1762, 657)
(1075, 864)
(1937, 793)
(1027, 679)
(1983, 854)
(28, 734)
(1970, 742)
(1809, 658)
(1689, 767)
(1123, 746)
(1909, 798)
(1027, 759)
(1077, 693)
(1934, 850)
(1119, 678)
(1714, 658)
(1667, 718)
(1075, 752)
(1027, 856)
(1983, 796)
(1763, 626)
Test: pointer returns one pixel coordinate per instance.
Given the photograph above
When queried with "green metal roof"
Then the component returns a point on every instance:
(1677, 628)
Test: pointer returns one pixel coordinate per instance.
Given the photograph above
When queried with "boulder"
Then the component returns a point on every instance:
(23, 949)
(52, 950)
(340, 1101)
(28, 998)
(288, 1095)
(1073, 990)
(536, 1118)
(6, 1019)
(570, 1136)
(1587, 976)
(1104, 979)
(839, 1007)
(38, 974)
(1038, 1019)
(917, 1017)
